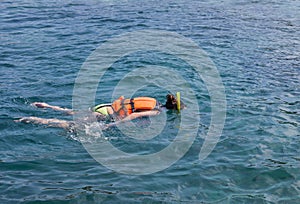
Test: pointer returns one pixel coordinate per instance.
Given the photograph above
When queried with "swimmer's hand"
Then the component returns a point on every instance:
(28, 120)
(41, 105)
(57, 108)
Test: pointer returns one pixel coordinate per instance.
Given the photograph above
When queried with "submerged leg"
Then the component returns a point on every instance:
(46, 105)
(50, 122)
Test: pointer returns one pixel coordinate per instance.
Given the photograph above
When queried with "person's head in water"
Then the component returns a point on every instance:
(171, 102)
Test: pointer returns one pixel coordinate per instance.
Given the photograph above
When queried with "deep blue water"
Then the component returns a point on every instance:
(256, 49)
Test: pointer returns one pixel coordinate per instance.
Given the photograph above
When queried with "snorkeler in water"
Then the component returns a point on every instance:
(121, 110)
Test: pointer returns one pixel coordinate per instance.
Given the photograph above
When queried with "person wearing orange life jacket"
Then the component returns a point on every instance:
(128, 109)
(120, 110)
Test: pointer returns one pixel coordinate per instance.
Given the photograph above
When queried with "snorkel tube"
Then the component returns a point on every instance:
(178, 101)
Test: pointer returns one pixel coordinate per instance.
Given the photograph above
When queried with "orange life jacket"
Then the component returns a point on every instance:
(124, 107)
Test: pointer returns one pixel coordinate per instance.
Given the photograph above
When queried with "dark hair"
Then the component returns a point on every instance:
(171, 102)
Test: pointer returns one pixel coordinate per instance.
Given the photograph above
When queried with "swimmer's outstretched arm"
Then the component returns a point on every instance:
(134, 116)
(57, 108)
(50, 122)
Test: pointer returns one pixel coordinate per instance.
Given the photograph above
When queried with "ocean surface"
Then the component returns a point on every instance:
(255, 47)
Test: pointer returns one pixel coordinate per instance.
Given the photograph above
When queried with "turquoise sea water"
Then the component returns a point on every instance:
(254, 45)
